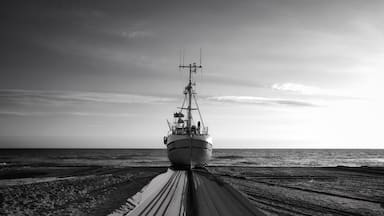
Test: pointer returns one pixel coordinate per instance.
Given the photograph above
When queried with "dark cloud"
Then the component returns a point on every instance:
(48, 43)
(20, 96)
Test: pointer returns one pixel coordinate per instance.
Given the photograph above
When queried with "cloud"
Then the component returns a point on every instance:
(137, 34)
(69, 97)
(17, 113)
(302, 89)
(262, 101)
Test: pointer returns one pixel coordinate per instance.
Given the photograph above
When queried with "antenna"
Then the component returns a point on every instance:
(180, 57)
(201, 68)
(183, 55)
(180, 54)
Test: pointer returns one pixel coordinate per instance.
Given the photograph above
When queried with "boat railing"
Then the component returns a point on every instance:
(183, 131)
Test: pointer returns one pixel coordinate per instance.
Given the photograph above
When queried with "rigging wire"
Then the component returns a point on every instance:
(182, 105)
(198, 109)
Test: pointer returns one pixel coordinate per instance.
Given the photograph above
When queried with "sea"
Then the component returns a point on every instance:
(221, 157)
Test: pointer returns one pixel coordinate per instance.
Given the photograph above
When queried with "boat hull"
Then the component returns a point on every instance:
(185, 151)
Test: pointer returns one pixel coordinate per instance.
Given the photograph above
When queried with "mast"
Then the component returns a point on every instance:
(192, 69)
(189, 100)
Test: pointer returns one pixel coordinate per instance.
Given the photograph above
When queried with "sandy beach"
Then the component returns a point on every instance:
(100, 190)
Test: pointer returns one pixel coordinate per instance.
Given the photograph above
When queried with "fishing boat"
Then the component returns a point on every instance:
(188, 142)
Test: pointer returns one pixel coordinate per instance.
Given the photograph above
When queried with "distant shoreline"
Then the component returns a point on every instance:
(213, 149)
(221, 157)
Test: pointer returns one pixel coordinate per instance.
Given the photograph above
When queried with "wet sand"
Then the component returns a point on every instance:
(310, 191)
(50, 189)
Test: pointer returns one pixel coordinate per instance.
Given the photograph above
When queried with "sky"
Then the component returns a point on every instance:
(276, 73)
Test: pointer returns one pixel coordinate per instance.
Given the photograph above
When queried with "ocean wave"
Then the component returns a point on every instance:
(229, 157)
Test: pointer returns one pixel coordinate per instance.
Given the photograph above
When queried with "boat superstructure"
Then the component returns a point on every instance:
(188, 142)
